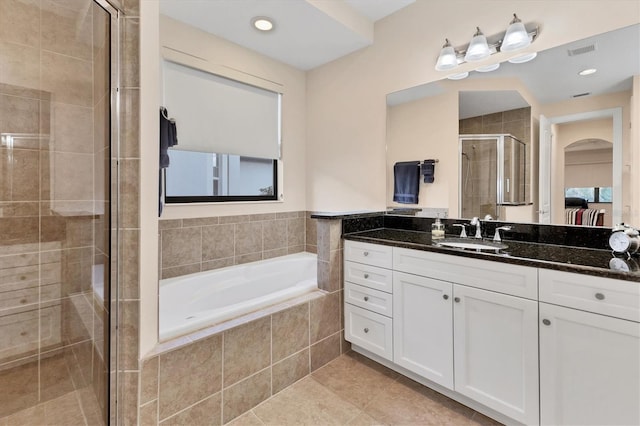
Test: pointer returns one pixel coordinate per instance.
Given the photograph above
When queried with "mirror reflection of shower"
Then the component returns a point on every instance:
(492, 174)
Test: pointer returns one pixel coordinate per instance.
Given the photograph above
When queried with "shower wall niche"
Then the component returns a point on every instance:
(492, 174)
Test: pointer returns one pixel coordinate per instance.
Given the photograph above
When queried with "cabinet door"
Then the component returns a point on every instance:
(496, 351)
(589, 368)
(423, 327)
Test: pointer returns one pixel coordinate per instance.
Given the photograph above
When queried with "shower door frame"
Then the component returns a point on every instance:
(499, 138)
(114, 9)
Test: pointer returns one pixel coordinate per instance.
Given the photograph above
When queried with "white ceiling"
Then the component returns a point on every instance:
(307, 34)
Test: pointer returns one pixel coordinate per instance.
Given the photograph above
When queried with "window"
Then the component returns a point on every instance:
(228, 137)
(591, 194)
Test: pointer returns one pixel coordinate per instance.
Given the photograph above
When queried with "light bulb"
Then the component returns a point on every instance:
(447, 59)
(478, 48)
(516, 36)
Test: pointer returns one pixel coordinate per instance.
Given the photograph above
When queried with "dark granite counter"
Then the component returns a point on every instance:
(562, 258)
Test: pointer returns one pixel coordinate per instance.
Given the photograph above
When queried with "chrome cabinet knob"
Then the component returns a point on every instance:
(599, 296)
(366, 298)
(546, 322)
(366, 330)
(445, 296)
(366, 253)
(366, 276)
(456, 299)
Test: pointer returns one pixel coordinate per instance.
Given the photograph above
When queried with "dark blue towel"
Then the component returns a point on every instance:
(168, 137)
(406, 182)
(428, 170)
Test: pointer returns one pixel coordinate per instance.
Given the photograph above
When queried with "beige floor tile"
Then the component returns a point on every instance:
(363, 419)
(64, 411)
(247, 419)
(306, 402)
(481, 419)
(26, 417)
(355, 380)
(408, 403)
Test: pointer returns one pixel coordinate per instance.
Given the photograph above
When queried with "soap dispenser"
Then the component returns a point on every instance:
(437, 229)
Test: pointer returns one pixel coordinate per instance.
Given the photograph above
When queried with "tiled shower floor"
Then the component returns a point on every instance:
(65, 410)
(352, 390)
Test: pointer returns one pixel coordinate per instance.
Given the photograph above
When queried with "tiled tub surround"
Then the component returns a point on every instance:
(201, 244)
(216, 374)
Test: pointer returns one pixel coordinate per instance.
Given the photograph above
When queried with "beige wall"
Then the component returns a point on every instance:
(346, 157)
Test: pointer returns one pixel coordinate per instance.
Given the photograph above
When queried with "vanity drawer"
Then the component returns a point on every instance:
(367, 298)
(369, 254)
(369, 330)
(368, 276)
(515, 280)
(604, 296)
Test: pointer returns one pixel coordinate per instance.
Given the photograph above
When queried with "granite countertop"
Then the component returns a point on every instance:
(562, 258)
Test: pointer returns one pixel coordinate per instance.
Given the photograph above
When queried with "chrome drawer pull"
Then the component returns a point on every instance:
(366, 298)
(366, 330)
(546, 322)
(456, 299)
(445, 296)
(599, 296)
(366, 276)
(366, 253)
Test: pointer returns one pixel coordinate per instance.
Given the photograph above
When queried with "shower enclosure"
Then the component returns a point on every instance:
(492, 174)
(58, 159)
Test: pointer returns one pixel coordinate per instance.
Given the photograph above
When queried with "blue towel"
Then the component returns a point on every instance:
(168, 137)
(428, 170)
(406, 182)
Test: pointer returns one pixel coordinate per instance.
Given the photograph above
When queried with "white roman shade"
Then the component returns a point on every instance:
(217, 114)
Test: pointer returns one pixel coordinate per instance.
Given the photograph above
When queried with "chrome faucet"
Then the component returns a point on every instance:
(463, 231)
(476, 222)
(496, 236)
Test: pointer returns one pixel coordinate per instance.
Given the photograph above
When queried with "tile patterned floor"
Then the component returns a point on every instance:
(353, 390)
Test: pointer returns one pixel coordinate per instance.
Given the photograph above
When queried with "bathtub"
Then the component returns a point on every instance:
(195, 301)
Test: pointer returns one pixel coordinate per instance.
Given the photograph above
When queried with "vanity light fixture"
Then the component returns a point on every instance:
(523, 58)
(588, 71)
(481, 47)
(488, 68)
(516, 36)
(458, 76)
(262, 23)
(478, 48)
(448, 58)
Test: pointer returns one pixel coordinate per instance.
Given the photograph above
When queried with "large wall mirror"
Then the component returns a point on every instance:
(587, 149)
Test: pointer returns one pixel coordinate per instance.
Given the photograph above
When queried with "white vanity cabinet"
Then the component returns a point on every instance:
(368, 297)
(486, 340)
(589, 350)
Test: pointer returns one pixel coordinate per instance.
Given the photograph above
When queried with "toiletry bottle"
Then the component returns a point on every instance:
(437, 229)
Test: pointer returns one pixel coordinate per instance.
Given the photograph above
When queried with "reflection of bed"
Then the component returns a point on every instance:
(586, 217)
(577, 212)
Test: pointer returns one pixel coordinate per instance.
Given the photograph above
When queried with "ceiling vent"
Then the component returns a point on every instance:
(582, 50)
(579, 95)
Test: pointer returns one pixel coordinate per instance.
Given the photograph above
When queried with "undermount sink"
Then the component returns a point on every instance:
(470, 244)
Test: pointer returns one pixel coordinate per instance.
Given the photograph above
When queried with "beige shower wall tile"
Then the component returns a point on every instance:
(19, 65)
(72, 128)
(290, 370)
(69, 79)
(129, 334)
(130, 65)
(325, 351)
(149, 380)
(19, 115)
(201, 221)
(17, 182)
(130, 263)
(189, 374)
(181, 246)
(324, 316)
(246, 394)
(130, 193)
(274, 234)
(130, 122)
(218, 241)
(248, 238)
(290, 331)
(71, 176)
(67, 30)
(19, 20)
(247, 258)
(247, 349)
(296, 232)
(149, 414)
(178, 271)
(205, 413)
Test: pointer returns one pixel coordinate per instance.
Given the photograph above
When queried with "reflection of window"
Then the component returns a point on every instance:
(209, 177)
(591, 194)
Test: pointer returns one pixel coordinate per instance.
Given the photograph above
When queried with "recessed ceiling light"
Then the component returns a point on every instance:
(262, 23)
(488, 68)
(588, 71)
